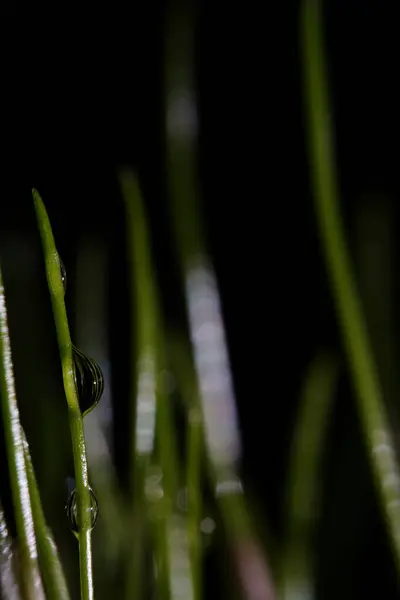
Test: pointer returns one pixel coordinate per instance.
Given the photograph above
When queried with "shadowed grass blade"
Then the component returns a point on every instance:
(375, 425)
(28, 558)
(56, 288)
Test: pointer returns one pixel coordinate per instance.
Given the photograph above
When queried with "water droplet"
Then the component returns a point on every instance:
(72, 511)
(63, 274)
(88, 380)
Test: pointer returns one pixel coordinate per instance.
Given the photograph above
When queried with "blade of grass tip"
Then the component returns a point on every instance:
(52, 265)
(30, 576)
(8, 583)
(49, 561)
(153, 414)
(304, 476)
(378, 435)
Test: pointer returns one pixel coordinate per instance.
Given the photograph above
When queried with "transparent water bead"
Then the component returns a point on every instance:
(88, 380)
(72, 511)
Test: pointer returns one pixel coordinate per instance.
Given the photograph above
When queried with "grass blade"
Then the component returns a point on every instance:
(49, 561)
(28, 557)
(304, 477)
(375, 425)
(52, 265)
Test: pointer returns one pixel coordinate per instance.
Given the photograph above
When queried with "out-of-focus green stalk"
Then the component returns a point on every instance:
(375, 425)
(52, 265)
(153, 415)
(31, 582)
(304, 477)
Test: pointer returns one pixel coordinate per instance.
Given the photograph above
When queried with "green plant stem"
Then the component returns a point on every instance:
(375, 425)
(304, 477)
(50, 565)
(31, 582)
(52, 265)
(144, 374)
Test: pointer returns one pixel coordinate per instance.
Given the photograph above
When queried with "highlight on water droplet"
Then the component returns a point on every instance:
(89, 381)
(63, 274)
(72, 511)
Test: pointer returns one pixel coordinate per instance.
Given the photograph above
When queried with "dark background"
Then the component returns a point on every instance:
(83, 94)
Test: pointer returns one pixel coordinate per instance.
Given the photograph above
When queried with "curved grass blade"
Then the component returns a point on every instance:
(56, 288)
(28, 558)
(375, 425)
(297, 576)
(9, 587)
(50, 566)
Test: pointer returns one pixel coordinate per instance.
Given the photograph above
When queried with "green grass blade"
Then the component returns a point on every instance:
(52, 572)
(301, 514)
(52, 265)
(30, 576)
(375, 425)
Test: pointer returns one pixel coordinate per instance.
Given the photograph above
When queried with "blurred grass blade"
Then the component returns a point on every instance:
(9, 589)
(144, 375)
(52, 265)
(28, 558)
(203, 303)
(297, 576)
(378, 436)
(49, 561)
(153, 409)
(184, 370)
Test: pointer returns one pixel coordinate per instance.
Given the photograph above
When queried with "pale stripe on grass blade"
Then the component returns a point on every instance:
(9, 588)
(375, 425)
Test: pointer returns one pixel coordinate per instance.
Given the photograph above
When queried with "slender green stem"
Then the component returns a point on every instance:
(31, 582)
(50, 565)
(381, 450)
(52, 264)
(304, 477)
(143, 383)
